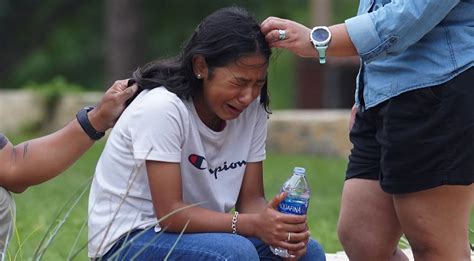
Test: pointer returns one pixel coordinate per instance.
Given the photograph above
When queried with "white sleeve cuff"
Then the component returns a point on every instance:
(157, 156)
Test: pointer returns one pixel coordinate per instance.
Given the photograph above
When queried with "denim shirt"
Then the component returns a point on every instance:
(410, 44)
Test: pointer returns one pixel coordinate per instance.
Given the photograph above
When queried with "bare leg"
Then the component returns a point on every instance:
(436, 221)
(368, 226)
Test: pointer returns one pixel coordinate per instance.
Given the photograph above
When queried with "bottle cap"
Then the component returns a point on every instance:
(299, 171)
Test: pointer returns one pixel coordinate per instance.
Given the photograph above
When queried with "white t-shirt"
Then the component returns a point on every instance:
(160, 126)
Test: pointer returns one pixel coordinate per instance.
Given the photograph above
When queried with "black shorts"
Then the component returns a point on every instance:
(417, 140)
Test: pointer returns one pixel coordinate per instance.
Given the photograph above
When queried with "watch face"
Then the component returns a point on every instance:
(320, 35)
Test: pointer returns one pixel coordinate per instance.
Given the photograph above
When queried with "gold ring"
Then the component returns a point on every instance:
(289, 237)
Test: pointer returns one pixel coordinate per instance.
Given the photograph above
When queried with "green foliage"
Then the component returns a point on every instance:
(37, 208)
(54, 88)
(70, 43)
(281, 80)
(343, 9)
(56, 37)
(325, 177)
(52, 91)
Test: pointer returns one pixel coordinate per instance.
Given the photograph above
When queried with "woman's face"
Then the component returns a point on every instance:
(229, 90)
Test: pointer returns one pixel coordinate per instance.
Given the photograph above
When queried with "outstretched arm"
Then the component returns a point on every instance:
(38, 160)
(369, 35)
(297, 38)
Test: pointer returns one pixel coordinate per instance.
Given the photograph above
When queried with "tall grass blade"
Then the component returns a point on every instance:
(13, 228)
(53, 230)
(176, 242)
(20, 246)
(76, 240)
(180, 209)
(471, 244)
(131, 181)
(403, 242)
(144, 248)
(126, 242)
(133, 176)
(80, 249)
(115, 255)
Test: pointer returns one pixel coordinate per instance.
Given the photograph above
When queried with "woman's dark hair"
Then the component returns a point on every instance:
(221, 38)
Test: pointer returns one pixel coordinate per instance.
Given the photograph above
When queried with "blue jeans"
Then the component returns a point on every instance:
(149, 245)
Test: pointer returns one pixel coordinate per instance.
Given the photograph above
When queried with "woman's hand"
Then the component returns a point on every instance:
(282, 230)
(354, 111)
(296, 36)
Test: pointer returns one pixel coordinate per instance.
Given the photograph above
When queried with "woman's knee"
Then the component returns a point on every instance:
(367, 245)
(429, 247)
(350, 237)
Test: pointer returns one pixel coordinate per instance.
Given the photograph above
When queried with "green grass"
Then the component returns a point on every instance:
(37, 207)
(326, 177)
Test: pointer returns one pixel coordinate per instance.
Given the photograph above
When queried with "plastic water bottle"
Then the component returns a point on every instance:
(296, 201)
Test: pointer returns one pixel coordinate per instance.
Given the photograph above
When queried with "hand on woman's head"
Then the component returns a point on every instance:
(287, 34)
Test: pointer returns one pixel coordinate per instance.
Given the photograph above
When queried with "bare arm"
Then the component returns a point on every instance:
(166, 191)
(38, 160)
(298, 41)
(252, 196)
(257, 218)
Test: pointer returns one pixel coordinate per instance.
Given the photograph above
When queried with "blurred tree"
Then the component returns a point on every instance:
(26, 26)
(92, 43)
(343, 9)
(122, 49)
(79, 39)
(50, 38)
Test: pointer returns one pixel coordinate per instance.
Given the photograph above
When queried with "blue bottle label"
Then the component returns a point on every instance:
(293, 206)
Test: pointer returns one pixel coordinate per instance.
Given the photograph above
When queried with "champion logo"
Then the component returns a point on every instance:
(201, 163)
(197, 161)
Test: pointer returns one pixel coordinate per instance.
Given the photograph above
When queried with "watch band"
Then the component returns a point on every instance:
(322, 53)
(86, 124)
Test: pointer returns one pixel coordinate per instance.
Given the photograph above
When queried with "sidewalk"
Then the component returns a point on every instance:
(341, 256)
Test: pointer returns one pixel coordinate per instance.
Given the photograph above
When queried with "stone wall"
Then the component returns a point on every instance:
(69, 105)
(23, 109)
(315, 132)
(20, 109)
